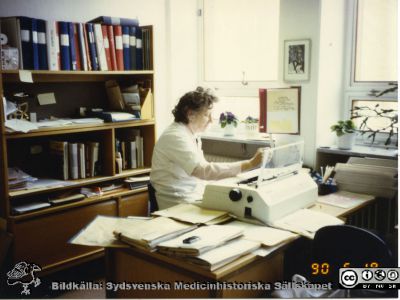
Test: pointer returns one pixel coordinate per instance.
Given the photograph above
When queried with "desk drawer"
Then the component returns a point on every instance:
(44, 240)
(134, 205)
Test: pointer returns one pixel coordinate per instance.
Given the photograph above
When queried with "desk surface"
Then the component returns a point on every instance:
(361, 151)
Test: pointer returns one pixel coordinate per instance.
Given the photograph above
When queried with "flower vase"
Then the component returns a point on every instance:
(346, 141)
(229, 130)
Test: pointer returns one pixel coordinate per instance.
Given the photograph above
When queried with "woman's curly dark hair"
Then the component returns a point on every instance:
(195, 101)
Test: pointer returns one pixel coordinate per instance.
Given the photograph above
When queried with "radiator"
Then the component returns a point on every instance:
(380, 216)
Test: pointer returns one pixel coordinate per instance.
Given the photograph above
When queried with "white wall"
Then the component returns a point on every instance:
(331, 69)
(149, 12)
(300, 19)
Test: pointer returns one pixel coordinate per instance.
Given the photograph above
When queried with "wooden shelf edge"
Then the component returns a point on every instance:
(61, 76)
(78, 128)
(87, 201)
(79, 183)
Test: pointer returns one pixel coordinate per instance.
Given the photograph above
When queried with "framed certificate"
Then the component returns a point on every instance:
(283, 110)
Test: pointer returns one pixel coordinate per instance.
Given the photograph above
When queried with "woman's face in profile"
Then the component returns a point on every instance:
(199, 121)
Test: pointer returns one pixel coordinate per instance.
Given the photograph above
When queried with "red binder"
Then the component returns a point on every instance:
(262, 93)
(106, 46)
(118, 47)
(77, 52)
(110, 33)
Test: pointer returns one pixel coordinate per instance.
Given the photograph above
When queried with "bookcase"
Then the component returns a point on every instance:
(41, 236)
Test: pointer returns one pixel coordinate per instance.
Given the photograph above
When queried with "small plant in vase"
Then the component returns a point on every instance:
(228, 122)
(251, 126)
(345, 131)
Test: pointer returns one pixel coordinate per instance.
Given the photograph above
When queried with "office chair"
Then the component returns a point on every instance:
(152, 197)
(344, 245)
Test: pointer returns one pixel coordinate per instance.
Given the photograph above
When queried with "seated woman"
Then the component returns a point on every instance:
(179, 169)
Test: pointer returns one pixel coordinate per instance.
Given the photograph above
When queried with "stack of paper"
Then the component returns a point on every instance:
(200, 240)
(150, 233)
(306, 222)
(99, 232)
(225, 254)
(267, 236)
(194, 214)
(18, 179)
(344, 199)
(376, 177)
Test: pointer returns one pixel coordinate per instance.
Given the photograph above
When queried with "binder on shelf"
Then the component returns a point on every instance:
(119, 55)
(82, 47)
(72, 49)
(115, 21)
(125, 45)
(132, 47)
(139, 49)
(64, 46)
(53, 45)
(106, 44)
(99, 42)
(59, 154)
(87, 52)
(73, 160)
(42, 44)
(111, 41)
(77, 46)
(92, 47)
(29, 46)
(81, 160)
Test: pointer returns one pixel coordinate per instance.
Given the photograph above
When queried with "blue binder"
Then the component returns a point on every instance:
(125, 44)
(42, 44)
(92, 47)
(29, 47)
(115, 21)
(64, 46)
(72, 50)
(132, 47)
(139, 49)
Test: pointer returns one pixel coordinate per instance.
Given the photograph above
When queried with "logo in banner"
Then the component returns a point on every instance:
(23, 273)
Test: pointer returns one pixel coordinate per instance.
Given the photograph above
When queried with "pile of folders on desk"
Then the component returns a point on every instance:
(190, 233)
(370, 176)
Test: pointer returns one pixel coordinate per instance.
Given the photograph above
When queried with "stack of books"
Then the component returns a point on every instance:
(370, 176)
(18, 179)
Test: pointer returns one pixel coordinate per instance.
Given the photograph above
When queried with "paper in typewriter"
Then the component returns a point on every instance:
(194, 214)
(204, 238)
(265, 235)
(281, 161)
(99, 232)
(149, 233)
(306, 222)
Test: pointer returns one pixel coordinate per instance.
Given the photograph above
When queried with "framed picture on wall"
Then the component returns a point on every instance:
(297, 60)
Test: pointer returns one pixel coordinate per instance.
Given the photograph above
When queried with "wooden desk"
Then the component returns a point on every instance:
(139, 266)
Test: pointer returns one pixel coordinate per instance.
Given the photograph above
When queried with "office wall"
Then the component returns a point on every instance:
(149, 12)
(331, 70)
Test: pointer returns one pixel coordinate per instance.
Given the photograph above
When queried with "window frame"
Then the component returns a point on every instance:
(357, 90)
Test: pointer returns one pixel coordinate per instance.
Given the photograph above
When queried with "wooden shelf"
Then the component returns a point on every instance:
(77, 128)
(79, 183)
(62, 76)
(86, 201)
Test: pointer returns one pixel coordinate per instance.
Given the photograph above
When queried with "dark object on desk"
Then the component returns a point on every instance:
(340, 244)
(191, 240)
(152, 197)
(326, 189)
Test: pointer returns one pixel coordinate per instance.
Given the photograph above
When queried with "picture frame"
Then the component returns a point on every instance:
(297, 60)
(283, 110)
